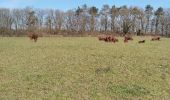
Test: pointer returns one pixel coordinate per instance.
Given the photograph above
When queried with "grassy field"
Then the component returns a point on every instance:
(84, 69)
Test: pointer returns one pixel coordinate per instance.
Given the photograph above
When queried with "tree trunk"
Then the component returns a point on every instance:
(113, 24)
(156, 26)
(162, 30)
(92, 23)
(105, 28)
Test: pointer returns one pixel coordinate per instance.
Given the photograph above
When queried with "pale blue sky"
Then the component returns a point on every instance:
(71, 4)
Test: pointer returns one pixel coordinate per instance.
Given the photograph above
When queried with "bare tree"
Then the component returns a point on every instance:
(167, 22)
(50, 20)
(148, 14)
(85, 19)
(135, 14)
(70, 21)
(114, 14)
(40, 18)
(93, 12)
(158, 14)
(58, 20)
(6, 21)
(126, 19)
(105, 11)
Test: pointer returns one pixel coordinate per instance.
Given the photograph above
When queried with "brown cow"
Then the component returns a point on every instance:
(111, 39)
(107, 38)
(101, 37)
(114, 39)
(128, 38)
(142, 41)
(155, 39)
(33, 36)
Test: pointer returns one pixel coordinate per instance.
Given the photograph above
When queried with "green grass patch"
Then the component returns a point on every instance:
(128, 90)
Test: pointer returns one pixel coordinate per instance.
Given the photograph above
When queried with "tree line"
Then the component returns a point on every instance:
(85, 20)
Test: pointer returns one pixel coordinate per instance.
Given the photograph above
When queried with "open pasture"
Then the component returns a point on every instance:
(84, 68)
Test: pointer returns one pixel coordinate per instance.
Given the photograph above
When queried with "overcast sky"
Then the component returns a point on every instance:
(71, 4)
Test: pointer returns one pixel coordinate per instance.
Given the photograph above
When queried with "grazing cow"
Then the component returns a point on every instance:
(155, 39)
(108, 38)
(33, 36)
(114, 40)
(128, 38)
(111, 39)
(102, 38)
(142, 41)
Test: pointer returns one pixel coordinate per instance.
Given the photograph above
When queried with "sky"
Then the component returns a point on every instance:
(71, 4)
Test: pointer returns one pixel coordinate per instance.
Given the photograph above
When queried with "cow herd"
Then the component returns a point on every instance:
(106, 38)
(113, 39)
